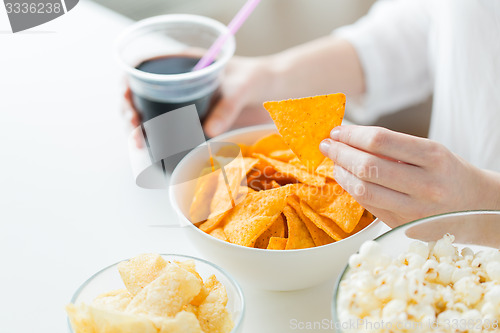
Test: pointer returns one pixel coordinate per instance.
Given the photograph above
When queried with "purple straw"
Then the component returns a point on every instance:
(233, 27)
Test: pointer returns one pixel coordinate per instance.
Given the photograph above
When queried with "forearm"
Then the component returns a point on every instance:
(323, 66)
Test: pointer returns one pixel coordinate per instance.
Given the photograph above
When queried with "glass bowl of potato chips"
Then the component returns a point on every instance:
(248, 204)
(154, 293)
(437, 274)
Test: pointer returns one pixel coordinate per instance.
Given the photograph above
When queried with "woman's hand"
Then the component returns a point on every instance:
(245, 85)
(400, 178)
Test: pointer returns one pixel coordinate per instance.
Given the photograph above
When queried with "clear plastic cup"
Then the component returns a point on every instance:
(173, 36)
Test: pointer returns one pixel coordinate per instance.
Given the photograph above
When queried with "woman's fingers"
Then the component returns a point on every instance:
(221, 117)
(390, 218)
(129, 110)
(380, 141)
(367, 167)
(370, 194)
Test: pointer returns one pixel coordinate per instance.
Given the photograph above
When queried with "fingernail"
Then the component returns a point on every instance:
(325, 145)
(335, 133)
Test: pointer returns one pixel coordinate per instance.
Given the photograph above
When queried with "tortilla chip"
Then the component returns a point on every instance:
(319, 236)
(275, 184)
(254, 215)
(325, 224)
(226, 194)
(277, 243)
(283, 155)
(365, 221)
(333, 202)
(345, 211)
(326, 168)
(268, 144)
(295, 161)
(203, 193)
(277, 229)
(289, 170)
(298, 235)
(218, 233)
(305, 122)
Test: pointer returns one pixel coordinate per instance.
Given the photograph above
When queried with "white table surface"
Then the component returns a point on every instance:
(68, 202)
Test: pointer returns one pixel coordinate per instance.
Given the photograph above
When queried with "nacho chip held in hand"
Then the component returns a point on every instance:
(305, 122)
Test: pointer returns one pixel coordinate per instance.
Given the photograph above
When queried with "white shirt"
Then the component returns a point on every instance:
(451, 48)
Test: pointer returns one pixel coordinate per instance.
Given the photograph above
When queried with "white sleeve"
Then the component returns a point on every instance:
(392, 44)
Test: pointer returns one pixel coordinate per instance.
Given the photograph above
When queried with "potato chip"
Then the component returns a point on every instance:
(116, 300)
(289, 170)
(283, 155)
(107, 321)
(325, 169)
(277, 243)
(324, 223)
(177, 301)
(212, 312)
(203, 193)
(226, 193)
(319, 236)
(305, 122)
(277, 229)
(190, 266)
(268, 144)
(141, 270)
(254, 215)
(80, 318)
(298, 235)
(168, 294)
(183, 322)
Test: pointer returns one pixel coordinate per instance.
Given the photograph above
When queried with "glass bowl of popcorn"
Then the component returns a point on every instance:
(437, 274)
(153, 293)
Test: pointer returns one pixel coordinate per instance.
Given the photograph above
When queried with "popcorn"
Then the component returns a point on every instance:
(493, 270)
(468, 290)
(419, 248)
(444, 272)
(424, 289)
(493, 296)
(444, 247)
(459, 273)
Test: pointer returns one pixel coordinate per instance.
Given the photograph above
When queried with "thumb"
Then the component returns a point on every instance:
(222, 117)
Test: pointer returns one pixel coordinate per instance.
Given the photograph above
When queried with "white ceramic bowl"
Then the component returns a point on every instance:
(260, 268)
(109, 279)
